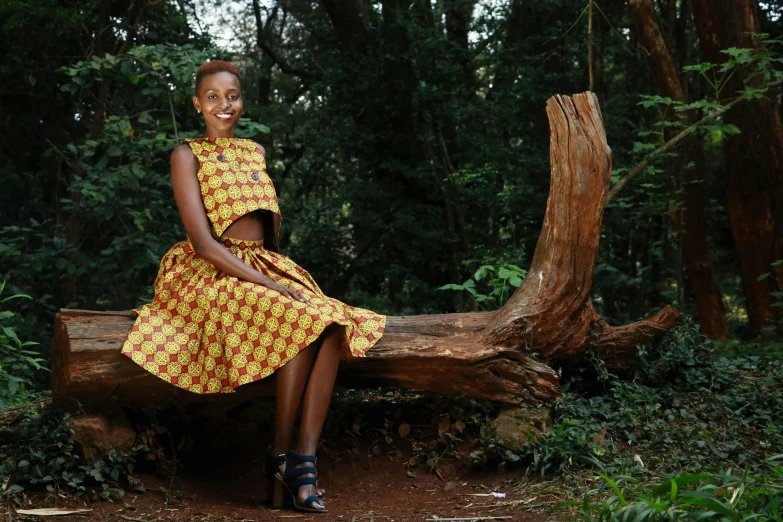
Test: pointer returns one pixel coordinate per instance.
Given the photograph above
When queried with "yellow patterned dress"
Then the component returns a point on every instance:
(209, 332)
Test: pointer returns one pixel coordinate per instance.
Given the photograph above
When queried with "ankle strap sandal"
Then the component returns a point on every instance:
(292, 482)
(272, 463)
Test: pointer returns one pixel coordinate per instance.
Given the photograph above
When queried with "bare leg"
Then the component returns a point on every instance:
(291, 381)
(317, 396)
(319, 391)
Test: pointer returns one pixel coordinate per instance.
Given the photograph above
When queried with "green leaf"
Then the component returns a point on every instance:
(643, 147)
(616, 489)
(700, 68)
(752, 93)
(482, 272)
(702, 499)
(682, 480)
(451, 286)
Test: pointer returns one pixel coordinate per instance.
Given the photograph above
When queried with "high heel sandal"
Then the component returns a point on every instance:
(271, 468)
(290, 481)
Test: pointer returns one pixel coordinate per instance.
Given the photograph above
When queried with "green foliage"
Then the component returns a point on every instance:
(501, 281)
(400, 169)
(686, 409)
(18, 364)
(707, 496)
(567, 444)
(40, 453)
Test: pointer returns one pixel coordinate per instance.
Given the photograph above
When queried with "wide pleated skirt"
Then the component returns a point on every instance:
(208, 332)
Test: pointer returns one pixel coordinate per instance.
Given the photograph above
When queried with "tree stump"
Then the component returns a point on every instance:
(506, 356)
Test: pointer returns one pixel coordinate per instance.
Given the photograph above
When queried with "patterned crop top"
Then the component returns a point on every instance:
(233, 179)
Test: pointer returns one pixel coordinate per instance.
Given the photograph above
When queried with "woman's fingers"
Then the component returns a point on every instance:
(296, 295)
(293, 294)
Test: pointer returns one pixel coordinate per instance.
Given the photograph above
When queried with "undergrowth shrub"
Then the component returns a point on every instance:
(18, 364)
(685, 408)
(39, 453)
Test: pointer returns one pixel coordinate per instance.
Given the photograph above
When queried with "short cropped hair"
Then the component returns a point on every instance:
(212, 67)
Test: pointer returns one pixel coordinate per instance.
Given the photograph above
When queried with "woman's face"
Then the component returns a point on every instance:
(220, 100)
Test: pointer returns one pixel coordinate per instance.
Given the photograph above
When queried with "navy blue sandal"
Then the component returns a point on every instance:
(291, 482)
(271, 468)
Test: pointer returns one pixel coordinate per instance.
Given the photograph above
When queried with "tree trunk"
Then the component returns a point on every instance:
(511, 52)
(265, 62)
(690, 221)
(506, 356)
(459, 14)
(348, 23)
(753, 159)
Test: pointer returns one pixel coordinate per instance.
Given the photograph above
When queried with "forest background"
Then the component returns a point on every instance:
(409, 145)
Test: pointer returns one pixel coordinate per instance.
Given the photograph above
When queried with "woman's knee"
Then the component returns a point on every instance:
(333, 330)
(331, 338)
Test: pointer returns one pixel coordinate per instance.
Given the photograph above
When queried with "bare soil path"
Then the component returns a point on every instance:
(361, 487)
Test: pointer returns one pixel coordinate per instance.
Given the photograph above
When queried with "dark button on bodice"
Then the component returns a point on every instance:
(254, 176)
(221, 157)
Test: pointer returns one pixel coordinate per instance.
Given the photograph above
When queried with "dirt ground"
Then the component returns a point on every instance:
(360, 487)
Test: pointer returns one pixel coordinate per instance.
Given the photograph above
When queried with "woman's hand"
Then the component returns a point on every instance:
(293, 294)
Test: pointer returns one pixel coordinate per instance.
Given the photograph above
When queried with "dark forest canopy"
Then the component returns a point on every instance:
(408, 143)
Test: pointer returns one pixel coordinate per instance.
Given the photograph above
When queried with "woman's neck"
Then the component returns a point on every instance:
(215, 133)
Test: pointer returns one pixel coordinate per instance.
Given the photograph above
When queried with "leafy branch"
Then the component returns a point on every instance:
(739, 57)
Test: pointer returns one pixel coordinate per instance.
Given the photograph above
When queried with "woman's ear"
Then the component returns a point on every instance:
(196, 104)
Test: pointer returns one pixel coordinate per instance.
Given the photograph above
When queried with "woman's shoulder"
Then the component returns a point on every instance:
(181, 150)
(182, 153)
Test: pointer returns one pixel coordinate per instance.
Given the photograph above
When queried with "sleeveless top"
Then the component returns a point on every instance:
(233, 179)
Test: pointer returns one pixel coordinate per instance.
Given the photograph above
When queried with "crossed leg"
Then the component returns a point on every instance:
(312, 373)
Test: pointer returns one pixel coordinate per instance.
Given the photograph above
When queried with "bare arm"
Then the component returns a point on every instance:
(187, 193)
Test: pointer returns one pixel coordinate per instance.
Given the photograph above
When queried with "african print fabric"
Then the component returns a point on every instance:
(208, 332)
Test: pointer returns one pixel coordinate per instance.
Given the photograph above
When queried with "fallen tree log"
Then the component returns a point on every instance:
(506, 356)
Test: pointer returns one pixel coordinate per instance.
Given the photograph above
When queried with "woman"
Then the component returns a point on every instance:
(229, 309)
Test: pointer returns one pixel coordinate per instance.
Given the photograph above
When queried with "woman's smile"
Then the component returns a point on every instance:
(225, 116)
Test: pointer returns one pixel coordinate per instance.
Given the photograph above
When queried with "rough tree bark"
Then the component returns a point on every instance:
(753, 158)
(690, 221)
(507, 356)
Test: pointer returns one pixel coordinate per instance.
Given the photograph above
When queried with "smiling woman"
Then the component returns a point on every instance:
(229, 309)
(221, 99)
